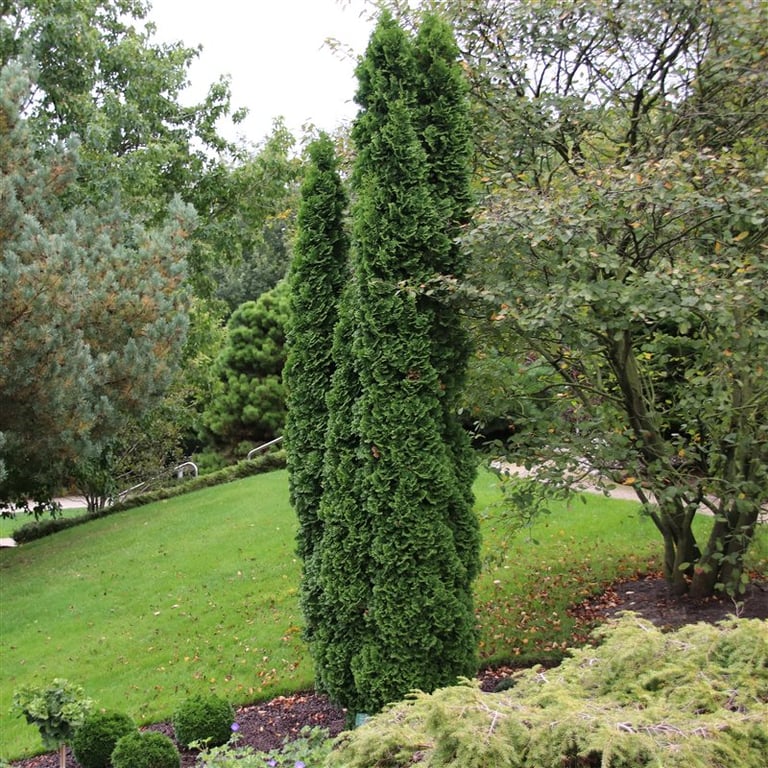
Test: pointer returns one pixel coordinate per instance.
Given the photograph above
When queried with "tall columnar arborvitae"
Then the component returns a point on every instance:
(445, 133)
(342, 558)
(399, 547)
(319, 272)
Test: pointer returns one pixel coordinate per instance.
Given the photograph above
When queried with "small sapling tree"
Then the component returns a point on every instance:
(57, 709)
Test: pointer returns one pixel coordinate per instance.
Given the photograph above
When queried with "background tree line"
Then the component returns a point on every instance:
(97, 149)
(616, 275)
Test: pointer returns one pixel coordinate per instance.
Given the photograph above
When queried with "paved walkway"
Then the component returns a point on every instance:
(625, 492)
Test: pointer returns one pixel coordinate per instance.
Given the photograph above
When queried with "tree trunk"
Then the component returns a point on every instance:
(721, 566)
(681, 552)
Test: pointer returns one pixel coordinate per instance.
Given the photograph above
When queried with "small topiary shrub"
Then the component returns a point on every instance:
(57, 709)
(148, 749)
(206, 720)
(96, 738)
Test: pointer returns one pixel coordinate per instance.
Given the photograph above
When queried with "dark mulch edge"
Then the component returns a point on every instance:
(649, 596)
(267, 725)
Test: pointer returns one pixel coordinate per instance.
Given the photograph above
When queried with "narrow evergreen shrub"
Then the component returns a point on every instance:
(318, 274)
(95, 740)
(203, 719)
(443, 123)
(148, 749)
(335, 619)
(400, 543)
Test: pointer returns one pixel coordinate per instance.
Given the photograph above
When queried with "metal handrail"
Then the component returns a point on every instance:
(179, 470)
(263, 447)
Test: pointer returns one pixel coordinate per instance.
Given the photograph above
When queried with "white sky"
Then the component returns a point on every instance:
(274, 51)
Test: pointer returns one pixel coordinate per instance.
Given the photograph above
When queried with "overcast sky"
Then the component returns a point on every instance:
(275, 54)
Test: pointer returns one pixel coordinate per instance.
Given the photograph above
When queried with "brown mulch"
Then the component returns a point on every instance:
(267, 725)
(650, 597)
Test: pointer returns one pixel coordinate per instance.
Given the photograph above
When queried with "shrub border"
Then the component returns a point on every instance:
(267, 462)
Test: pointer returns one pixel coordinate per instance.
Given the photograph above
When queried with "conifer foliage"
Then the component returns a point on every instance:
(694, 697)
(248, 402)
(397, 543)
(93, 314)
(318, 274)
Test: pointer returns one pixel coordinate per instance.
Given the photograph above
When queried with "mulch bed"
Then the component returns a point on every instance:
(267, 725)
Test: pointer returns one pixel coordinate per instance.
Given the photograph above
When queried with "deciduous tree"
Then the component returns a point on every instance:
(101, 74)
(623, 239)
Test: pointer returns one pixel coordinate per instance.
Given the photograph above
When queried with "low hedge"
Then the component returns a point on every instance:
(267, 462)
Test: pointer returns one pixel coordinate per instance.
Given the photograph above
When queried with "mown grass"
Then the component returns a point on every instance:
(532, 578)
(10, 524)
(147, 606)
(200, 593)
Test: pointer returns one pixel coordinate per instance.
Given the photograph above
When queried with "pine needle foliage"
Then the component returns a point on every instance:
(248, 401)
(693, 698)
(94, 310)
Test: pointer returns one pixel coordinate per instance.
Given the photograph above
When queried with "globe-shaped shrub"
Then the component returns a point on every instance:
(96, 738)
(203, 719)
(148, 749)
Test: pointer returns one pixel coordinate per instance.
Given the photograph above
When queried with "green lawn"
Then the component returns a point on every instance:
(200, 593)
(146, 606)
(10, 524)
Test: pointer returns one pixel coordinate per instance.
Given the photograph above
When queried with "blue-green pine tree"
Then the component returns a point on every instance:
(93, 315)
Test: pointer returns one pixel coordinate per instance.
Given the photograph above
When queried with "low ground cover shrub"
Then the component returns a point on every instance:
(205, 720)
(693, 698)
(148, 749)
(95, 740)
(308, 750)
